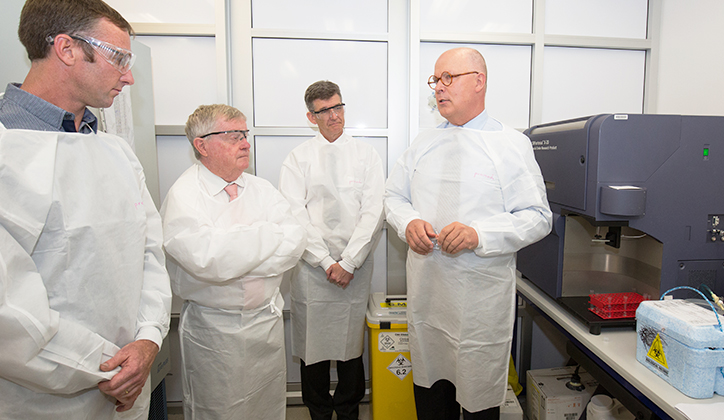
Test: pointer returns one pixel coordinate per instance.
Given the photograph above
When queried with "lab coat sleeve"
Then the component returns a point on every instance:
(369, 222)
(213, 254)
(527, 218)
(288, 253)
(398, 197)
(292, 185)
(155, 306)
(40, 350)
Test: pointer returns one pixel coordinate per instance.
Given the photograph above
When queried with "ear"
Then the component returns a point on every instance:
(200, 146)
(312, 119)
(63, 48)
(482, 79)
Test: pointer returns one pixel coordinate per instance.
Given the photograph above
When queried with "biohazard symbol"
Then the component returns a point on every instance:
(656, 352)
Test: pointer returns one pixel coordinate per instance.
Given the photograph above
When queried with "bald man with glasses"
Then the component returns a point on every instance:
(466, 197)
(85, 294)
(334, 184)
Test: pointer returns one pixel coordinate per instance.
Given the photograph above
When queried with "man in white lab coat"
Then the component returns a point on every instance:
(229, 236)
(465, 197)
(84, 294)
(335, 185)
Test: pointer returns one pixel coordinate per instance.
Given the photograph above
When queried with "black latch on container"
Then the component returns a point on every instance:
(400, 299)
(385, 325)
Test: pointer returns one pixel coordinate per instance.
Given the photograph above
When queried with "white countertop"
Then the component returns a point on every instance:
(617, 348)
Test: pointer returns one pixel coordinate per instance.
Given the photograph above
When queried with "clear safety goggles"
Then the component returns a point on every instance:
(327, 112)
(120, 58)
(231, 136)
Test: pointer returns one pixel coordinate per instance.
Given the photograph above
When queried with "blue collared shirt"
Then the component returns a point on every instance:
(23, 110)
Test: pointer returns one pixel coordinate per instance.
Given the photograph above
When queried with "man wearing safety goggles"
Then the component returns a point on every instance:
(334, 183)
(85, 294)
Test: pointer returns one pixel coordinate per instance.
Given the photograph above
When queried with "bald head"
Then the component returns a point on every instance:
(464, 98)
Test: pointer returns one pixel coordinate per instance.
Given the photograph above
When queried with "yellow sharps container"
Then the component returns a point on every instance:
(391, 394)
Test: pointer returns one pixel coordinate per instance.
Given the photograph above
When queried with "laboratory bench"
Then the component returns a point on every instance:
(611, 358)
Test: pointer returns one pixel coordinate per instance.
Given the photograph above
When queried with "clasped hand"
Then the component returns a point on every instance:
(452, 239)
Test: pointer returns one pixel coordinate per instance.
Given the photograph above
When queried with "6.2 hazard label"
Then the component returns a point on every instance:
(400, 367)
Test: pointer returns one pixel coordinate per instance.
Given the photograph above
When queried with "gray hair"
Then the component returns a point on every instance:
(203, 120)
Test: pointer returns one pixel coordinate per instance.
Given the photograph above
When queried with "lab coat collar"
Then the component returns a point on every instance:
(214, 184)
(481, 122)
(342, 139)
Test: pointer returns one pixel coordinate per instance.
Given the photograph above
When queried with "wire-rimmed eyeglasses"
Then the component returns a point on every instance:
(237, 135)
(327, 112)
(446, 78)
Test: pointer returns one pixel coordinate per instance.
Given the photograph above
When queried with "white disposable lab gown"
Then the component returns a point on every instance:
(226, 260)
(461, 307)
(335, 190)
(81, 271)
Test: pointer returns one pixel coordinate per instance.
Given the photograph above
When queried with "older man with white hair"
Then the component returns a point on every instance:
(230, 236)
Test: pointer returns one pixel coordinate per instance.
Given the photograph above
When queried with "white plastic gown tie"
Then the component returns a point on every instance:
(273, 304)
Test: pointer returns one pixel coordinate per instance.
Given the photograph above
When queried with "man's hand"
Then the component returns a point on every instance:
(456, 237)
(135, 360)
(418, 233)
(339, 276)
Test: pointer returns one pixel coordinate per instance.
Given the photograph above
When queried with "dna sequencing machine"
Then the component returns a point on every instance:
(638, 214)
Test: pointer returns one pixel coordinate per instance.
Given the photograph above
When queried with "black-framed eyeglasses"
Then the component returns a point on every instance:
(446, 78)
(327, 112)
(237, 135)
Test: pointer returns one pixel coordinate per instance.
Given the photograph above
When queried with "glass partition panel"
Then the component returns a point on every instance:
(166, 11)
(515, 16)
(175, 155)
(184, 76)
(284, 68)
(579, 82)
(368, 16)
(603, 18)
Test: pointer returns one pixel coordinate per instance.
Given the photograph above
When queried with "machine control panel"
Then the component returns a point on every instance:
(715, 232)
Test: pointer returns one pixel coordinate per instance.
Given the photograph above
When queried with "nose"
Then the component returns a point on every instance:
(244, 143)
(127, 78)
(334, 114)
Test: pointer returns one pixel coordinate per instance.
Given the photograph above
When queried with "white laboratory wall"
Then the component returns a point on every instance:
(283, 68)
(369, 16)
(691, 58)
(184, 75)
(166, 11)
(466, 16)
(582, 81)
(175, 156)
(610, 18)
(14, 59)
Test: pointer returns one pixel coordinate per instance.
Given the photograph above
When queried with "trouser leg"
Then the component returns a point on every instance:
(437, 402)
(315, 390)
(492, 413)
(350, 388)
